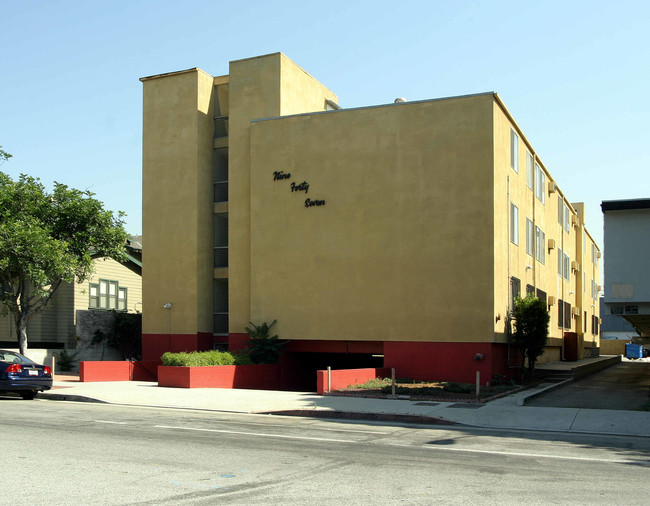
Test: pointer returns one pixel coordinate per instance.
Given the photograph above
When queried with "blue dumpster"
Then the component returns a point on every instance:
(633, 350)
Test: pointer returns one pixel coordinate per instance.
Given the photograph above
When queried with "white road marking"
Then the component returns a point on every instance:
(108, 421)
(535, 455)
(257, 434)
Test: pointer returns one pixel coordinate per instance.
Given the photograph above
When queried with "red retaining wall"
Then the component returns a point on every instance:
(255, 377)
(345, 377)
(105, 371)
(122, 370)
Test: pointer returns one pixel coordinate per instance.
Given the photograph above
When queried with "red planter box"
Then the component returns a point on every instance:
(255, 377)
(343, 378)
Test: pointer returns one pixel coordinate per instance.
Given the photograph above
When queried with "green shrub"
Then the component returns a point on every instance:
(458, 388)
(65, 360)
(371, 384)
(264, 348)
(205, 358)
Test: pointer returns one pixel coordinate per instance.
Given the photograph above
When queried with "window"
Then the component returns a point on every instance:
(564, 314)
(514, 223)
(107, 295)
(515, 289)
(560, 209)
(529, 289)
(594, 324)
(594, 255)
(530, 237)
(584, 282)
(540, 190)
(584, 326)
(594, 290)
(540, 245)
(514, 151)
(530, 170)
(567, 219)
(560, 259)
(567, 315)
(567, 267)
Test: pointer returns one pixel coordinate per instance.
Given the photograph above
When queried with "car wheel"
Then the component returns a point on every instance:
(28, 395)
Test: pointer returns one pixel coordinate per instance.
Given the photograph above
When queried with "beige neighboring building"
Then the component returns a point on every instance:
(392, 235)
(76, 310)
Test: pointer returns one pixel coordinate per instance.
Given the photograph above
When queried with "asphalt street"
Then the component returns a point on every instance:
(79, 453)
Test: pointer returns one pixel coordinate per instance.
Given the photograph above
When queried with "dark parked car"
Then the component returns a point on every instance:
(21, 375)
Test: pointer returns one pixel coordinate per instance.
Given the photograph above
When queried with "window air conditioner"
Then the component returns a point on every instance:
(600, 288)
(575, 221)
(551, 244)
(598, 254)
(575, 311)
(551, 300)
(575, 266)
(552, 187)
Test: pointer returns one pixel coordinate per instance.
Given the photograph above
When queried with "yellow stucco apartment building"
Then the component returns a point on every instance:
(392, 235)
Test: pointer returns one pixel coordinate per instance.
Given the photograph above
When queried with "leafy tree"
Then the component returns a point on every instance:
(531, 321)
(264, 348)
(4, 156)
(47, 238)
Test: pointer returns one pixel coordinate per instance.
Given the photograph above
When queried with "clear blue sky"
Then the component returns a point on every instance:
(574, 74)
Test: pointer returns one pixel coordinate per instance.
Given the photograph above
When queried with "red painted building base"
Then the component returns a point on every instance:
(417, 360)
(447, 361)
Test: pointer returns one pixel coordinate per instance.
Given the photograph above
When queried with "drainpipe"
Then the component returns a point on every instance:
(506, 320)
(534, 238)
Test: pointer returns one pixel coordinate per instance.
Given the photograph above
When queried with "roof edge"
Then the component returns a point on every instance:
(624, 205)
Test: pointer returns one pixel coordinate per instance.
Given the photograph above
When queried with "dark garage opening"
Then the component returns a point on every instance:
(299, 368)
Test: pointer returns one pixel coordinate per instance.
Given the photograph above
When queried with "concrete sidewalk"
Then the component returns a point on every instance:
(507, 412)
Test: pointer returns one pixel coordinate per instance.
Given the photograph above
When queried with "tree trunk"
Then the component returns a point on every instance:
(21, 331)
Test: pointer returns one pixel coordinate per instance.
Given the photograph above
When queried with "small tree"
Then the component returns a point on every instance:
(124, 333)
(264, 348)
(48, 238)
(531, 321)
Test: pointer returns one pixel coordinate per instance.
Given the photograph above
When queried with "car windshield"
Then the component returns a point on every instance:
(14, 358)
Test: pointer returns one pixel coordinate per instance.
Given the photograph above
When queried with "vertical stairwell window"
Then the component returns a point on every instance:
(514, 224)
(514, 151)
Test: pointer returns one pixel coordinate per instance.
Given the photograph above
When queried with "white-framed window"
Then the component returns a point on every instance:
(514, 151)
(540, 245)
(560, 210)
(560, 264)
(107, 294)
(540, 186)
(514, 224)
(530, 237)
(530, 170)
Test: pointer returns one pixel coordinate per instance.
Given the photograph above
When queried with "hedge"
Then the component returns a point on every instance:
(203, 358)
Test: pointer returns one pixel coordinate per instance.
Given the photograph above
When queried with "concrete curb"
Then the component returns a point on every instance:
(67, 397)
(349, 415)
(524, 400)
